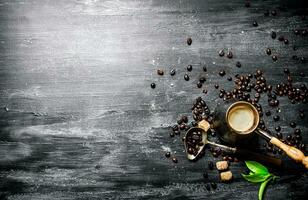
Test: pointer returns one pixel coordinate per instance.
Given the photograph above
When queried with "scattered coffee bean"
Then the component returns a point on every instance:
(286, 41)
(153, 85)
(199, 84)
(266, 13)
(202, 79)
(268, 113)
(238, 64)
(268, 51)
(189, 41)
(216, 86)
(172, 72)
(273, 34)
(171, 134)
(274, 12)
(186, 77)
(276, 118)
(303, 59)
(302, 115)
(160, 72)
(274, 57)
(293, 124)
(204, 68)
(296, 32)
(255, 23)
(281, 38)
(286, 71)
(189, 68)
(297, 131)
(229, 78)
(277, 128)
(279, 135)
(168, 154)
(174, 159)
(229, 54)
(304, 32)
(221, 53)
(222, 73)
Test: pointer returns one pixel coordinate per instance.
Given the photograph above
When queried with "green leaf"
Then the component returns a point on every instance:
(262, 188)
(256, 178)
(256, 167)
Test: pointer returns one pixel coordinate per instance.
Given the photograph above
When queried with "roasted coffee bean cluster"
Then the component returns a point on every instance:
(295, 94)
(194, 142)
(200, 111)
(180, 126)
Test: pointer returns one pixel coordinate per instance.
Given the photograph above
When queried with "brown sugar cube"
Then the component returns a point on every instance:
(226, 176)
(222, 165)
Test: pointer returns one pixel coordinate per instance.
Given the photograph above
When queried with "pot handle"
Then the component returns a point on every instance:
(292, 152)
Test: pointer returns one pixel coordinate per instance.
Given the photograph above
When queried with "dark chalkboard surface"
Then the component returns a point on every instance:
(80, 121)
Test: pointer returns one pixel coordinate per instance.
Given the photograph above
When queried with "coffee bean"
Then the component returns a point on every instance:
(229, 54)
(216, 86)
(189, 68)
(202, 79)
(274, 12)
(222, 73)
(273, 34)
(199, 84)
(277, 128)
(177, 132)
(276, 118)
(302, 115)
(255, 23)
(268, 51)
(303, 59)
(238, 64)
(281, 38)
(268, 113)
(171, 134)
(266, 13)
(279, 135)
(153, 85)
(175, 127)
(174, 159)
(189, 41)
(204, 68)
(296, 32)
(205, 91)
(293, 124)
(172, 72)
(274, 57)
(286, 71)
(168, 154)
(229, 78)
(186, 77)
(304, 32)
(160, 72)
(184, 118)
(286, 41)
(297, 131)
(221, 53)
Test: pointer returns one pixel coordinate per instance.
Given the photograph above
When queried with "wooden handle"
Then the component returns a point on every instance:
(292, 152)
(204, 125)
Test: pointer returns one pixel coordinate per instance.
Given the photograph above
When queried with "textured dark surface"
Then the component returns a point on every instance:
(79, 119)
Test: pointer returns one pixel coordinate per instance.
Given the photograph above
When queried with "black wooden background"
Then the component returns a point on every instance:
(79, 119)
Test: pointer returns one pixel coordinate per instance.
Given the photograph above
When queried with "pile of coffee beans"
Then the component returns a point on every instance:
(193, 141)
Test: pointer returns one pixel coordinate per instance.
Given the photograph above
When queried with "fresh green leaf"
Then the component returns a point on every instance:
(256, 178)
(262, 188)
(256, 167)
